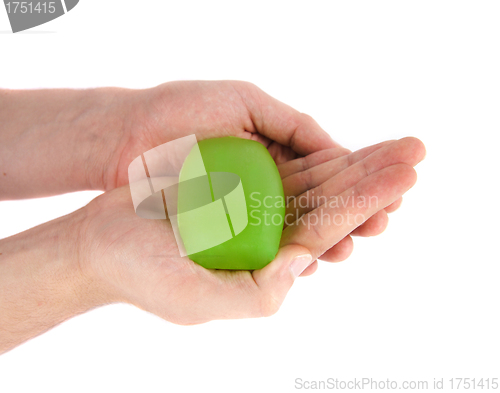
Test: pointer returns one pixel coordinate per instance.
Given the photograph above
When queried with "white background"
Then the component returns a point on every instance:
(420, 301)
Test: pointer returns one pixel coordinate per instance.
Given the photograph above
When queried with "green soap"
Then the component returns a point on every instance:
(231, 211)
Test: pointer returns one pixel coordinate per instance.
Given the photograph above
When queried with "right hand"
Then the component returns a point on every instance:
(133, 260)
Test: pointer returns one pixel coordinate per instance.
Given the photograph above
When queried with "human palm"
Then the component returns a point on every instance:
(137, 258)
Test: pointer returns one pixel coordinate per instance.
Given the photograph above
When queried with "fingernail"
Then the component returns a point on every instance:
(299, 264)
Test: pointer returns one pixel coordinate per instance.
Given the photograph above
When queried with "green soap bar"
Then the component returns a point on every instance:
(231, 212)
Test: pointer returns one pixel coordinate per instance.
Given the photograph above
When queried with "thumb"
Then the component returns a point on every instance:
(276, 279)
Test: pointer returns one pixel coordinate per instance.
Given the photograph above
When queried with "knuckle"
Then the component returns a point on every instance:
(306, 118)
(343, 151)
(367, 171)
(349, 160)
(304, 163)
(247, 85)
(317, 231)
(269, 305)
(306, 178)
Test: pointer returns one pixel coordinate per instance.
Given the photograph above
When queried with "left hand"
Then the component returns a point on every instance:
(211, 109)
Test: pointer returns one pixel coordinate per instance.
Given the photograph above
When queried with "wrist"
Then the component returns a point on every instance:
(76, 247)
(62, 140)
(98, 271)
(42, 282)
(105, 126)
(141, 113)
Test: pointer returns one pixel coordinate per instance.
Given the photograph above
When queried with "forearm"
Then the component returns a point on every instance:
(41, 280)
(60, 140)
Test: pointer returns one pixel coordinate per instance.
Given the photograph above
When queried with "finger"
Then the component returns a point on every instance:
(304, 163)
(226, 294)
(374, 226)
(339, 252)
(282, 123)
(311, 269)
(276, 279)
(394, 206)
(281, 154)
(407, 150)
(314, 175)
(328, 224)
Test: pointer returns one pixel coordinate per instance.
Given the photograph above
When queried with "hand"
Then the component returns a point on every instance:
(133, 259)
(61, 140)
(213, 109)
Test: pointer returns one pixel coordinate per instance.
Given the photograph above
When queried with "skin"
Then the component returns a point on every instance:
(72, 140)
